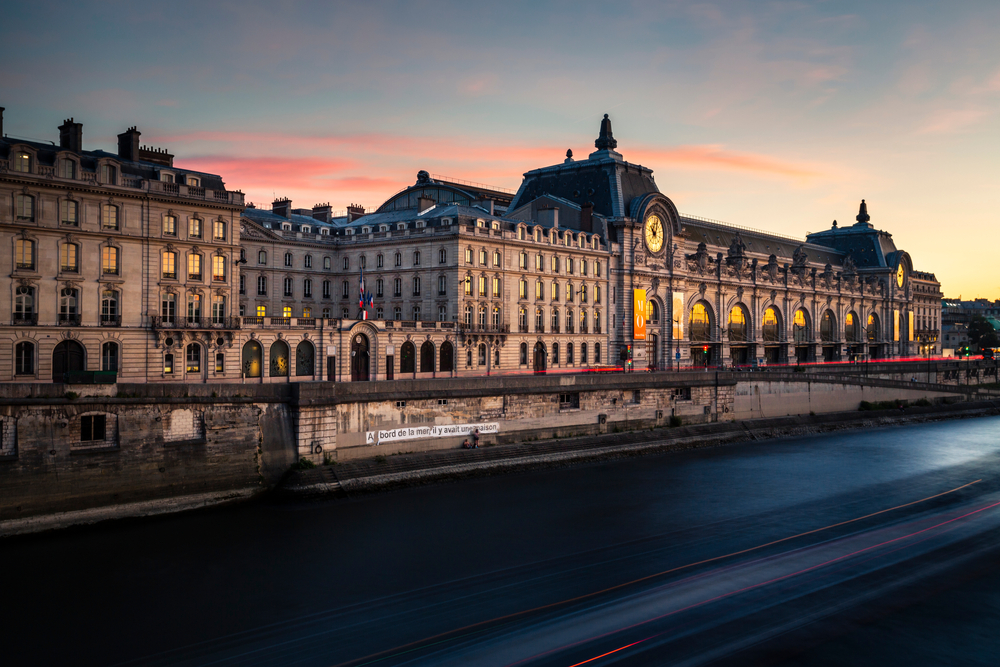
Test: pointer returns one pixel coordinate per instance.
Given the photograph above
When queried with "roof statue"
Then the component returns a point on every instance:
(863, 216)
(607, 140)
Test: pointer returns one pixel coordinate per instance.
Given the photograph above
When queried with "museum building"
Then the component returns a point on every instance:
(585, 265)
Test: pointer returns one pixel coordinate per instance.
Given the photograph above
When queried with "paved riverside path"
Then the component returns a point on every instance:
(398, 470)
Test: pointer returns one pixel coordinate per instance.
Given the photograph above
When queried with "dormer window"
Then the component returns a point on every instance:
(495, 225)
(401, 226)
(194, 181)
(480, 223)
(324, 231)
(166, 178)
(22, 162)
(67, 168)
(306, 229)
(446, 222)
(366, 230)
(383, 228)
(349, 232)
(109, 174)
(286, 226)
(421, 224)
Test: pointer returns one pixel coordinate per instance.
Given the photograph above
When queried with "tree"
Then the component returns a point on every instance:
(979, 327)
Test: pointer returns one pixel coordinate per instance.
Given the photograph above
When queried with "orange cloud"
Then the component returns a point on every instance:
(271, 172)
(715, 157)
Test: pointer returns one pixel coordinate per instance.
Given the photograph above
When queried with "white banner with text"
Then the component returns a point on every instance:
(436, 431)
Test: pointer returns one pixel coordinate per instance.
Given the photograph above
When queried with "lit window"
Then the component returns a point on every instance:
(194, 228)
(25, 207)
(69, 210)
(22, 162)
(169, 225)
(219, 269)
(109, 216)
(25, 251)
(261, 311)
(219, 230)
(69, 259)
(286, 311)
(109, 260)
(194, 266)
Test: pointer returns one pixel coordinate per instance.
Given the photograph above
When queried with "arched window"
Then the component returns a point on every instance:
(68, 305)
(194, 266)
(539, 320)
(496, 258)
(447, 357)
(252, 359)
(652, 311)
(482, 354)
(524, 354)
(873, 330)
(193, 358)
(407, 358)
(109, 216)
(305, 358)
(24, 358)
(468, 316)
(772, 325)
(851, 331)
(828, 327)
(399, 259)
(738, 324)
(555, 353)
(555, 320)
(583, 354)
(482, 318)
(262, 257)
(569, 354)
(110, 312)
(597, 353)
(800, 326)
(279, 359)
(24, 305)
(194, 228)
(416, 258)
(109, 357)
(416, 285)
(288, 259)
(427, 357)
(328, 263)
(700, 326)
(496, 318)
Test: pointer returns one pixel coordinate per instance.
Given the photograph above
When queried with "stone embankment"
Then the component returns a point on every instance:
(384, 473)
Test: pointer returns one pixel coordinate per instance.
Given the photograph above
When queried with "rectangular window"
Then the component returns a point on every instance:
(218, 309)
(261, 311)
(168, 364)
(109, 216)
(219, 230)
(93, 428)
(286, 311)
(25, 251)
(482, 285)
(243, 284)
(68, 210)
(109, 174)
(68, 258)
(220, 363)
(218, 269)
(109, 260)
(496, 287)
(194, 228)
(25, 205)
(262, 285)
(194, 266)
(169, 225)
(168, 307)
(67, 168)
(194, 308)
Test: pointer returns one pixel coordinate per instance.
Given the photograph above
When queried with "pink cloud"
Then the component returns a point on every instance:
(715, 157)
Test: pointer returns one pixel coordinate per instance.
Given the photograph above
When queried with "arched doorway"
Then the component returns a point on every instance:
(68, 357)
(447, 357)
(359, 358)
(739, 350)
(700, 324)
(771, 332)
(252, 359)
(407, 358)
(427, 357)
(539, 364)
(874, 335)
(652, 350)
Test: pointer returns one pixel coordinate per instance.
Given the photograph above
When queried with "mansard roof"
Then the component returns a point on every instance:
(721, 235)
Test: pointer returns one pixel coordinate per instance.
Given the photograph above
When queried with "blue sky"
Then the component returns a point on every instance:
(775, 115)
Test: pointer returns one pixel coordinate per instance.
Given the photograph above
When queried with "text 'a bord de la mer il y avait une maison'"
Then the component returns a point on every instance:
(437, 431)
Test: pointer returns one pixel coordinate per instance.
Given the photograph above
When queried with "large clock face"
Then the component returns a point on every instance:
(654, 233)
(900, 275)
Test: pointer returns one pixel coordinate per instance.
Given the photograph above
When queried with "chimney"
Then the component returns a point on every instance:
(128, 144)
(156, 156)
(587, 217)
(548, 217)
(424, 203)
(354, 212)
(1, 122)
(484, 203)
(282, 207)
(323, 212)
(71, 136)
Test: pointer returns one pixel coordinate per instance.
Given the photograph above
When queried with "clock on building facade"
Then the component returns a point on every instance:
(653, 233)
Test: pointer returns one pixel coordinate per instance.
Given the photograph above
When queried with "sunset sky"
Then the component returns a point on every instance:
(780, 116)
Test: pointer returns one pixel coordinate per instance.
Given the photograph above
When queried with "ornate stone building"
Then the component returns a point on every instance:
(119, 265)
(123, 266)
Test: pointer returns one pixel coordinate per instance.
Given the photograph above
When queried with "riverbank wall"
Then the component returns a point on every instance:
(123, 450)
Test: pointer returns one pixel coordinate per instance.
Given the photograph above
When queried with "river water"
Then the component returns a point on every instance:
(864, 547)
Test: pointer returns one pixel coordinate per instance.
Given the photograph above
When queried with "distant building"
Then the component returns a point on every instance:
(956, 315)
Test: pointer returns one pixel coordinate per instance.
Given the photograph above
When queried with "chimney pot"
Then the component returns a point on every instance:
(128, 144)
(71, 135)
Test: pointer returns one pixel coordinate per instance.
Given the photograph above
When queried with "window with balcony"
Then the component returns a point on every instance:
(397, 313)
(442, 313)
(261, 311)
(24, 305)
(168, 307)
(194, 309)
(218, 309)
(109, 174)
(22, 162)
(69, 305)
(286, 311)
(109, 307)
